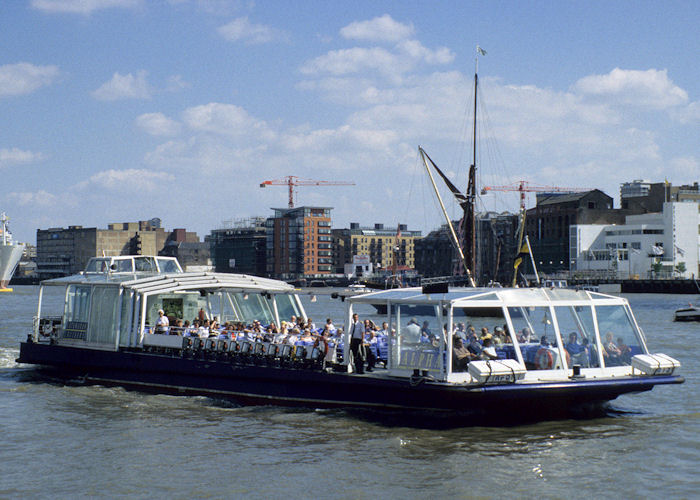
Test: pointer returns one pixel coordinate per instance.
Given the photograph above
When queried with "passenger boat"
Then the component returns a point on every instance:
(560, 350)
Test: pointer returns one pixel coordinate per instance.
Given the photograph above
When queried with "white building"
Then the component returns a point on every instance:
(667, 241)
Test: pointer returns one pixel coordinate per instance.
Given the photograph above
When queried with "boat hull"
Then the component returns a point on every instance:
(271, 385)
(10, 256)
(688, 314)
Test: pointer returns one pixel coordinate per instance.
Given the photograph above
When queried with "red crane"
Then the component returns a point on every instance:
(525, 187)
(293, 180)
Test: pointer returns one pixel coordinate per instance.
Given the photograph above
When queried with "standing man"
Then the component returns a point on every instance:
(162, 323)
(357, 334)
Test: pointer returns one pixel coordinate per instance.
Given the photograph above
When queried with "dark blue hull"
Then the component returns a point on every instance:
(247, 383)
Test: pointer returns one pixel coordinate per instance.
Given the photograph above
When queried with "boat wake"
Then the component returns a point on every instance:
(8, 357)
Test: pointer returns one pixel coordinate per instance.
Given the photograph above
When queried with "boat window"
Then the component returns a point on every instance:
(287, 307)
(77, 306)
(419, 339)
(97, 266)
(473, 325)
(578, 335)
(536, 337)
(617, 335)
(168, 266)
(124, 266)
(103, 315)
(144, 264)
(254, 306)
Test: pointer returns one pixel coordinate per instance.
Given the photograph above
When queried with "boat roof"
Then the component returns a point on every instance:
(488, 296)
(162, 283)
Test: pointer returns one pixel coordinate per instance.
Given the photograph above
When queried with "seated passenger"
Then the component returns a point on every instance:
(499, 336)
(625, 351)
(330, 326)
(203, 330)
(485, 332)
(611, 350)
(488, 351)
(525, 336)
(306, 336)
(460, 355)
(293, 336)
(579, 353)
(474, 346)
(177, 329)
(186, 329)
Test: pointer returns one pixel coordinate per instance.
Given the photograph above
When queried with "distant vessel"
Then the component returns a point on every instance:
(10, 254)
(690, 313)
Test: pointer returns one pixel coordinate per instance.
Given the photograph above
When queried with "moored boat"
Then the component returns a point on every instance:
(555, 350)
(10, 254)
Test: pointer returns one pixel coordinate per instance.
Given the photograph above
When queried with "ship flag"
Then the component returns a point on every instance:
(524, 252)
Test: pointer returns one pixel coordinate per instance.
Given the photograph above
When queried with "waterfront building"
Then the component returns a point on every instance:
(650, 197)
(435, 254)
(65, 251)
(240, 246)
(383, 247)
(496, 237)
(652, 245)
(548, 223)
(299, 242)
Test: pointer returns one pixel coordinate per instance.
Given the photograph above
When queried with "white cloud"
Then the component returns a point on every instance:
(391, 63)
(124, 87)
(40, 198)
(688, 114)
(241, 29)
(16, 156)
(418, 52)
(84, 7)
(176, 83)
(650, 89)
(126, 181)
(24, 78)
(355, 60)
(379, 29)
(158, 124)
(228, 120)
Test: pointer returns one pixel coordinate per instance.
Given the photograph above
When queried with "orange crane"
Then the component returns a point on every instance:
(293, 180)
(525, 187)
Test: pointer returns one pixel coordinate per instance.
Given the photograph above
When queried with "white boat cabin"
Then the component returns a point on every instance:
(114, 303)
(538, 334)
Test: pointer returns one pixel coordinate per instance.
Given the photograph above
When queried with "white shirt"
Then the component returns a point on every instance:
(357, 330)
(162, 323)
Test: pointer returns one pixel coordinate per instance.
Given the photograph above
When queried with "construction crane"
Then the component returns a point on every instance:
(525, 187)
(292, 180)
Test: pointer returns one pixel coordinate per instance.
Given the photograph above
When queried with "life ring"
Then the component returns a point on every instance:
(544, 359)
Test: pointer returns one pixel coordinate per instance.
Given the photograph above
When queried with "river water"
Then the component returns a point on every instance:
(66, 441)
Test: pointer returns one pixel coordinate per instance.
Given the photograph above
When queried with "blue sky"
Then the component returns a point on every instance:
(124, 110)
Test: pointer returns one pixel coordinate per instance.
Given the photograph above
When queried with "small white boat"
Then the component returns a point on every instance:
(690, 313)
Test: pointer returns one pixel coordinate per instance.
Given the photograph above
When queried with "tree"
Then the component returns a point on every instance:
(680, 268)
